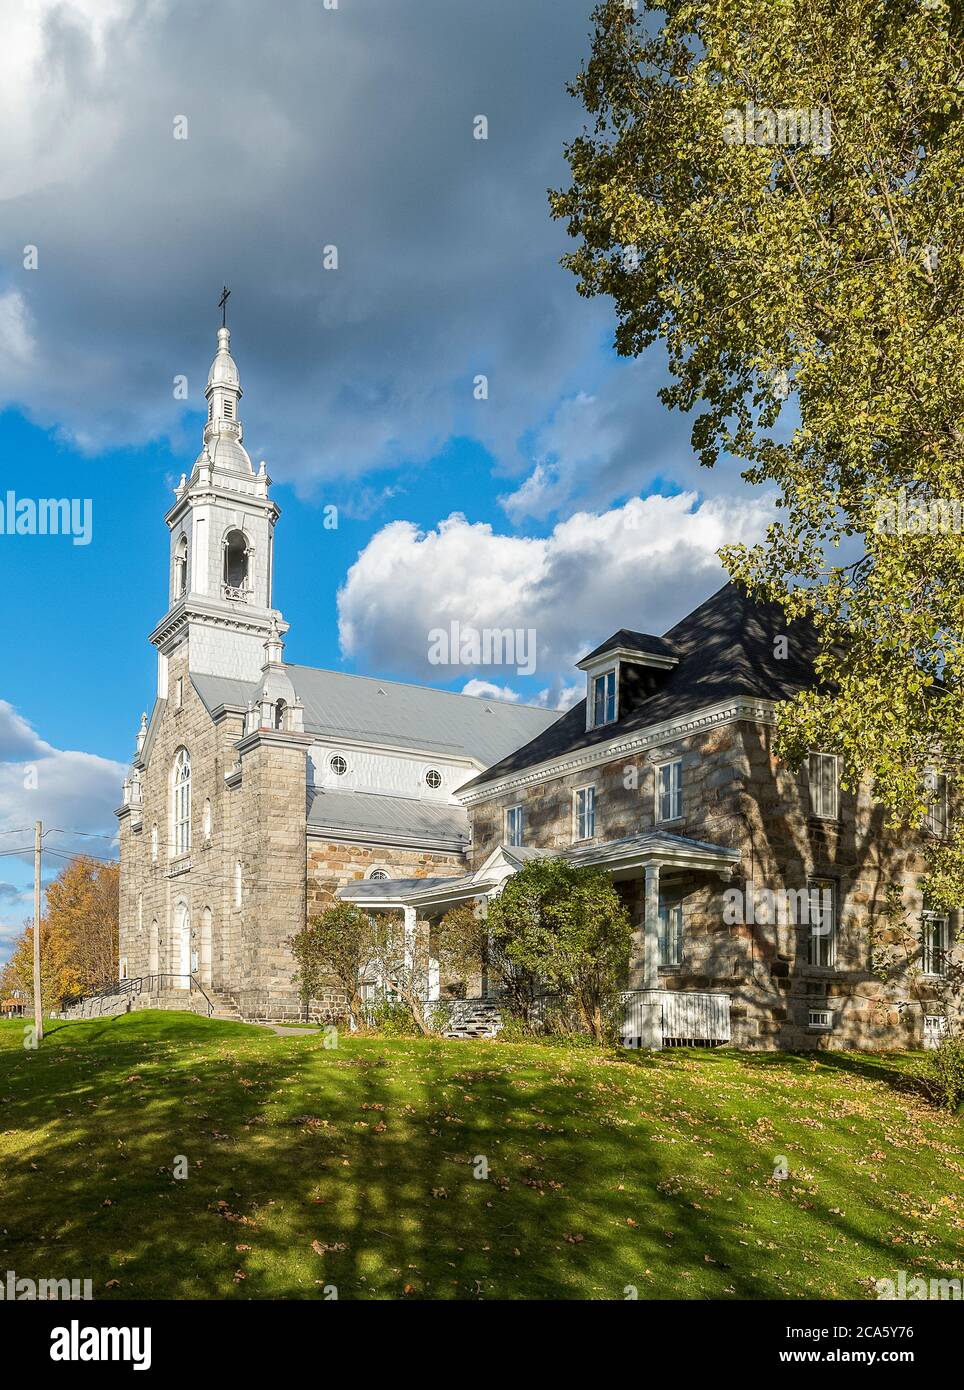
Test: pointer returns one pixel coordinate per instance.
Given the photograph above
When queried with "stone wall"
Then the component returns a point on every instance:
(332, 864)
(736, 794)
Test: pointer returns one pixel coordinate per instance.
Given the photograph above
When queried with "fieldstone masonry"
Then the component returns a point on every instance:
(736, 794)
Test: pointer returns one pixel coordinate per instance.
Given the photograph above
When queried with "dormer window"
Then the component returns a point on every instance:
(604, 698)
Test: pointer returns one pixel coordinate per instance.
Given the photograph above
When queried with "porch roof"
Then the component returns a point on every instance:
(622, 859)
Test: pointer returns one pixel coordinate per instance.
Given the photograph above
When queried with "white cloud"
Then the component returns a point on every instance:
(65, 789)
(486, 690)
(643, 565)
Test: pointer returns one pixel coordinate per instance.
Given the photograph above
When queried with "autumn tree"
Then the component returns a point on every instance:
(772, 190)
(78, 934)
(83, 909)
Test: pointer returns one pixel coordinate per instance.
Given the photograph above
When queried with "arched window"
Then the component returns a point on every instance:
(279, 714)
(180, 568)
(236, 560)
(182, 801)
(206, 820)
(237, 883)
(378, 874)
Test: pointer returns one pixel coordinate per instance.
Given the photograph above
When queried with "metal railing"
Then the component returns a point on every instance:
(158, 983)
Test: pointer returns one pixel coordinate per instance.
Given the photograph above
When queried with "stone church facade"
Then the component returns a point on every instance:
(261, 792)
(258, 788)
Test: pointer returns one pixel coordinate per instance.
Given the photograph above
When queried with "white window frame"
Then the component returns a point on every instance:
(815, 935)
(181, 788)
(675, 793)
(820, 1018)
(935, 820)
(935, 955)
(815, 764)
(609, 698)
(670, 933)
(509, 813)
(378, 873)
(584, 816)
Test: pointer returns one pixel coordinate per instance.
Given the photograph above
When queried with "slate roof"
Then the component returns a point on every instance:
(725, 649)
(339, 705)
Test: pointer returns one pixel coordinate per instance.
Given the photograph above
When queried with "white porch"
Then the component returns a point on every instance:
(655, 1017)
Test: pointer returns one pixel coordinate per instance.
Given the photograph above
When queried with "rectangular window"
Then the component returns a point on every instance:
(513, 825)
(179, 692)
(936, 819)
(669, 790)
(822, 945)
(823, 785)
(604, 698)
(584, 812)
(820, 1018)
(670, 932)
(935, 940)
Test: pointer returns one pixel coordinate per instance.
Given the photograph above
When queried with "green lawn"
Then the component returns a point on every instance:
(353, 1167)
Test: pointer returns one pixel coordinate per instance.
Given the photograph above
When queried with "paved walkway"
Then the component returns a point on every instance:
(284, 1032)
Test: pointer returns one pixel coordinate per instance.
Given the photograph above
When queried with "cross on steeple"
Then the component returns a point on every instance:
(223, 306)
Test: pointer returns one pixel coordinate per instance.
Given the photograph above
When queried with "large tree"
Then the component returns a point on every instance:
(774, 191)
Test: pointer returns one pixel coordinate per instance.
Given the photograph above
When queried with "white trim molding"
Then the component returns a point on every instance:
(596, 755)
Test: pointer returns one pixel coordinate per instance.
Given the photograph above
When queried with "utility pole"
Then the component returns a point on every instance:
(38, 1015)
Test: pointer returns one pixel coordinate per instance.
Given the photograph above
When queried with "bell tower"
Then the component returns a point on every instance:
(222, 536)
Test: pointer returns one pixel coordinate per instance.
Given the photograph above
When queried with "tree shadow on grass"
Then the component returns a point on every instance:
(379, 1169)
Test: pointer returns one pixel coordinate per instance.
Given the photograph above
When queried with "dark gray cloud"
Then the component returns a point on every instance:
(306, 127)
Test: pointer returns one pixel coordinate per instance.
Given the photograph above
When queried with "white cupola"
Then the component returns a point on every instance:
(222, 541)
(224, 432)
(279, 705)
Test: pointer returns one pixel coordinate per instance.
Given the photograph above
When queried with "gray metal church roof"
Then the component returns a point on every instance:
(338, 705)
(369, 815)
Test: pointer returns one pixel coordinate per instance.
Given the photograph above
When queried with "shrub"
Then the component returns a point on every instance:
(392, 1019)
(941, 1074)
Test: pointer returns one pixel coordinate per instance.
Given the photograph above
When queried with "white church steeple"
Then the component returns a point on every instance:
(222, 535)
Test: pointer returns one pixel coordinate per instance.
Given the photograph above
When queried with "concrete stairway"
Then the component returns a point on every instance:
(473, 1018)
(225, 1006)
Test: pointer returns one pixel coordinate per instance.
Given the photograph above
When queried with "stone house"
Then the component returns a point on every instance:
(759, 894)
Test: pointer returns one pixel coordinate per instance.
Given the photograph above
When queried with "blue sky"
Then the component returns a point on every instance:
(568, 501)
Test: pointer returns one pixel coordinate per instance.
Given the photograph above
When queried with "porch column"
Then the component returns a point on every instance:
(651, 928)
(651, 1008)
(410, 928)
